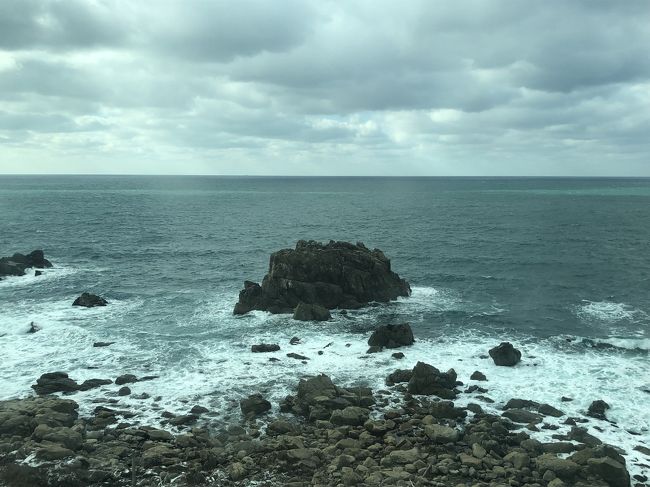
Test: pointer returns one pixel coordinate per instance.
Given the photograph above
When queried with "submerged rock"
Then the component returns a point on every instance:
(392, 336)
(505, 354)
(17, 263)
(332, 275)
(88, 300)
(265, 348)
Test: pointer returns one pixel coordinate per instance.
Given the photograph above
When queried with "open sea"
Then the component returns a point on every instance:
(559, 267)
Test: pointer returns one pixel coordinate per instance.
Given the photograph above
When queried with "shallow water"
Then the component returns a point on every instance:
(560, 267)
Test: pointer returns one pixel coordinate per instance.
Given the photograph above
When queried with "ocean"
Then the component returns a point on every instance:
(559, 267)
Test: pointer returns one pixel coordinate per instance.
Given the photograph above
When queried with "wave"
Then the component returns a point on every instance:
(608, 311)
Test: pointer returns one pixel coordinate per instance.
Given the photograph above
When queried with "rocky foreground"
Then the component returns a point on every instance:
(405, 435)
(18, 263)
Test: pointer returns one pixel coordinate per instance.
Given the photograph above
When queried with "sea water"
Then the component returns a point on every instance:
(559, 267)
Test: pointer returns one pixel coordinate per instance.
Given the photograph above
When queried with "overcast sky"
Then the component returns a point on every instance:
(325, 88)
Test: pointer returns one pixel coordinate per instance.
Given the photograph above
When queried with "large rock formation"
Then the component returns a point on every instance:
(16, 264)
(333, 275)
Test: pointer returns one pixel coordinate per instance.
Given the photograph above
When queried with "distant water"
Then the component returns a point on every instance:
(561, 267)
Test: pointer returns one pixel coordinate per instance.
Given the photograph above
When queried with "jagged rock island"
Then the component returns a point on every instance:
(333, 275)
(18, 263)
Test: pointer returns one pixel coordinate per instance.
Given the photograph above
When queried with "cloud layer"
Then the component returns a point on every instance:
(325, 88)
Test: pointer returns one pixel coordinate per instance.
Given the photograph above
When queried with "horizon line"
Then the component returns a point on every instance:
(322, 176)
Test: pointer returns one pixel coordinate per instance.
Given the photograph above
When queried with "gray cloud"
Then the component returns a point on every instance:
(323, 87)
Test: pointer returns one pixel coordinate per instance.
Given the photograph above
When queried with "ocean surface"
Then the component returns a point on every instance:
(559, 267)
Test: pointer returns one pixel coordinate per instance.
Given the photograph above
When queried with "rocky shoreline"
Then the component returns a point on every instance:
(407, 434)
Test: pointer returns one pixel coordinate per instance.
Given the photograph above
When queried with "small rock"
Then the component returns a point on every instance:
(88, 300)
(126, 379)
(102, 344)
(254, 405)
(198, 410)
(477, 375)
(265, 348)
(505, 354)
(124, 391)
(294, 341)
(597, 409)
(392, 336)
(297, 356)
(398, 355)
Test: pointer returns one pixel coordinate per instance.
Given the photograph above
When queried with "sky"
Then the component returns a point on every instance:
(300, 87)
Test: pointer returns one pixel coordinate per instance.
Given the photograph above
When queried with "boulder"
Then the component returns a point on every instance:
(265, 348)
(392, 336)
(54, 382)
(88, 300)
(565, 469)
(428, 380)
(439, 433)
(93, 383)
(311, 312)
(522, 416)
(611, 471)
(350, 416)
(400, 375)
(597, 409)
(505, 354)
(16, 264)
(478, 375)
(332, 275)
(254, 405)
(126, 379)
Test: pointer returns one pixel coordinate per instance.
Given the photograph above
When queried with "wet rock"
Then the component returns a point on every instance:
(297, 356)
(93, 383)
(522, 416)
(54, 382)
(392, 336)
(265, 348)
(126, 379)
(52, 451)
(505, 354)
(548, 410)
(333, 275)
(597, 409)
(254, 405)
(311, 312)
(397, 355)
(102, 344)
(427, 380)
(199, 410)
(478, 376)
(611, 471)
(88, 300)
(16, 264)
(294, 341)
(183, 420)
(124, 391)
(33, 328)
(399, 376)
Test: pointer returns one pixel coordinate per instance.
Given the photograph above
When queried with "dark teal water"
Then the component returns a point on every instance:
(536, 249)
(545, 263)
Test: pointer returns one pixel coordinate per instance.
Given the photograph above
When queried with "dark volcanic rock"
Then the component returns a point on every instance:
(597, 409)
(337, 274)
(102, 344)
(478, 375)
(311, 312)
(16, 264)
(428, 380)
(265, 347)
(92, 383)
(254, 405)
(33, 328)
(88, 300)
(505, 354)
(54, 382)
(392, 336)
(297, 356)
(126, 379)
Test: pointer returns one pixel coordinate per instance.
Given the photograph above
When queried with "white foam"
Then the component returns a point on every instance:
(607, 311)
(30, 278)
